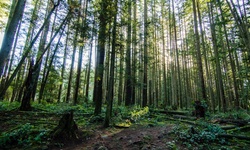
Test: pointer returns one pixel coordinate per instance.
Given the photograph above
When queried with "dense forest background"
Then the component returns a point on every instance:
(124, 74)
(163, 54)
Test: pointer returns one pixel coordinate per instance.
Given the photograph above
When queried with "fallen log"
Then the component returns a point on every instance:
(228, 127)
(184, 117)
(184, 113)
(185, 121)
(232, 121)
(230, 136)
(242, 129)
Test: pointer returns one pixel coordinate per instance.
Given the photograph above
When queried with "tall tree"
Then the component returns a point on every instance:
(145, 68)
(10, 33)
(103, 18)
(112, 71)
(199, 60)
(27, 50)
(128, 100)
(217, 60)
(30, 81)
(83, 39)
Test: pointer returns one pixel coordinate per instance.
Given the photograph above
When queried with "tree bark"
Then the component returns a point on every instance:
(9, 35)
(199, 60)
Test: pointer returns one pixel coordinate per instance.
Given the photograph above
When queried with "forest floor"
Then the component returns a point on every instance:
(134, 138)
(131, 129)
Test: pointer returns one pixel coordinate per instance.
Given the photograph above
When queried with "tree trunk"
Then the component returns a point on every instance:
(199, 60)
(128, 96)
(100, 58)
(145, 67)
(25, 105)
(111, 75)
(217, 61)
(26, 52)
(89, 67)
(66, 130)
(11, 30)
(63, 66)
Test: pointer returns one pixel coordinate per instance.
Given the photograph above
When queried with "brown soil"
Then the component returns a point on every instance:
(137, 138)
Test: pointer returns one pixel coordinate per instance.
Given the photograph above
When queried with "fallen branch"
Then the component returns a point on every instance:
(184, 117)
(232, 121)
(230, 136)
(185, 121)
(244, 128)
(184, 113)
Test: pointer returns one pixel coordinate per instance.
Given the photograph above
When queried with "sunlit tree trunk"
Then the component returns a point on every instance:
(10, 32)
(27, 51)
(63, 65)
(41, 49)
(89, 66)
(163, 57)
(75, 46)
(178, 88)
(79, 66)
(48, 69)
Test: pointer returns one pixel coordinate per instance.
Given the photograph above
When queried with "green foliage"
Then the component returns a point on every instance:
(7, 106)
(18, 136)
(4, 12)
(23, 136)
(171, 145)
(233, 114)
(201, 138)
(137, 114)
(96, 118)
(125, 115)
(62, 107)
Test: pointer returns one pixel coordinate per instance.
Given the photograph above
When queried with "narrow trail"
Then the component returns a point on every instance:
(139, 138)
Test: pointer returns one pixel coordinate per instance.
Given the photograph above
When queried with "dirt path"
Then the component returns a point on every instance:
(139, 138)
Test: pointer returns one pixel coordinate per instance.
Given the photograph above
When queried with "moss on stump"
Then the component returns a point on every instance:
(66, 129)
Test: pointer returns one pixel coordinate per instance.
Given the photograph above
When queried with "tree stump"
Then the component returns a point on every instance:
(199, 110)
(66, 129)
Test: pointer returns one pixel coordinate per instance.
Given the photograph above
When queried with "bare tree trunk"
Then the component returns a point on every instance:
(145, 67)
(217, 61)
(128, 96)
(199, 60)
(111, 75)
(89, 67)
(11, 30)
(100, 57)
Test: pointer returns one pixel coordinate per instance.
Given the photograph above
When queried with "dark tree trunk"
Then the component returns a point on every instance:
(145, 74)
(66, 129)
(111, 75)
(100, 58)
(128, 100)
(28, 86)
(199, 60)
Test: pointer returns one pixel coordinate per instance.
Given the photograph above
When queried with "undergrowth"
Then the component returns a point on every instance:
(23, 136)
(205, 137)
